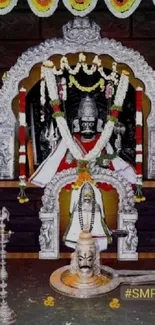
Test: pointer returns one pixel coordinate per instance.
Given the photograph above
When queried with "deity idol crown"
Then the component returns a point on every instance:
(87, 108)
(87, 190)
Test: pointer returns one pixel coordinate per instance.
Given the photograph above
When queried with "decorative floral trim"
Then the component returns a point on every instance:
(55, 102)
(74, 82)
(42, 88)
(122, 9)
(51, 85)
(43, 8)
(116, 108)
(139, 197)
(96, 66)
(57, 114)
(80, 8)
(6, 6)
(139, 148)
(84, 176)
(109, 157)
(22, 198)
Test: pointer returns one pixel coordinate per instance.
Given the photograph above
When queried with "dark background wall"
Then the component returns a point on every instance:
(20, 30)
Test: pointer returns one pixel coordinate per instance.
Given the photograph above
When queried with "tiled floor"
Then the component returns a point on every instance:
(29, 287)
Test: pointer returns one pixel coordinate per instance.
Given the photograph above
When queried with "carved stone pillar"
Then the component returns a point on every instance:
(127, 246)
(7, 152)
(49, 236)
(151, 153)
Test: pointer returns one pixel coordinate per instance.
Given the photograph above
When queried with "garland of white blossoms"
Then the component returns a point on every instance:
(62, 124)
(96, 66)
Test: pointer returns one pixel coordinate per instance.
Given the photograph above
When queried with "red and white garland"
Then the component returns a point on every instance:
(139, 147)
(62, 124)
(22, 146)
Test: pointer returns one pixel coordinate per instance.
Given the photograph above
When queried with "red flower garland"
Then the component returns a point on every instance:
(22, 146)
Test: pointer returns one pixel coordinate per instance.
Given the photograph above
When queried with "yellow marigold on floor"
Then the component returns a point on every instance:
(49, 302)
(50, 298)
(114, 304)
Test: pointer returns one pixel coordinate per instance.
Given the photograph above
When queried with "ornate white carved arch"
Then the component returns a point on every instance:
(50, 199)
(50, 211)
(78, 36)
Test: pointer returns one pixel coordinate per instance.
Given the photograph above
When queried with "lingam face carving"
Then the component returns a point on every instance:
(85, 254)
(85, 261)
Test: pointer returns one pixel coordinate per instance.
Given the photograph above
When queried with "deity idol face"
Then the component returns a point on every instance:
(88, 127)
(87, 194)
(88, 116)
(85, 261)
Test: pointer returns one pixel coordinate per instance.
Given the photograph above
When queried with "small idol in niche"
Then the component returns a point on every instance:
(86, 211)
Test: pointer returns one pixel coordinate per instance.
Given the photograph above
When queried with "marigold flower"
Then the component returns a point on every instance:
(50, 298)
(114, 304)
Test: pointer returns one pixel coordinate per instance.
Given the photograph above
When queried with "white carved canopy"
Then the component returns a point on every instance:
(79, 35)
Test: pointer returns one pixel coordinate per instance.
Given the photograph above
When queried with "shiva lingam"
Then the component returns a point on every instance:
(86, 278)
(83, 277)
(7, 315)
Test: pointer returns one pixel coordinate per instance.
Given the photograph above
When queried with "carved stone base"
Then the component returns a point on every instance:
(7, 315)
(57, 282)
(116, 277)
(49, 236)
(74, 281)
(48, 255)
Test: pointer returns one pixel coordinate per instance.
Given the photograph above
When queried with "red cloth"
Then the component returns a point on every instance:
(86, 146)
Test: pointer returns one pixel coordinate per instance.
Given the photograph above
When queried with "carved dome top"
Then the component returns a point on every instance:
(81, 30)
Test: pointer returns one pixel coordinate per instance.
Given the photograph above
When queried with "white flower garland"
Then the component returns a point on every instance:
(122, 89)
(63, 127)
(96, 66)
(8, 8)
(42, 88)
(51, 84)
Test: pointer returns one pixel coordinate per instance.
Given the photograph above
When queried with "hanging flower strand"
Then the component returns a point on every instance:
(74, 82)
(22, 198)
(96, 66)
(139, 147)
